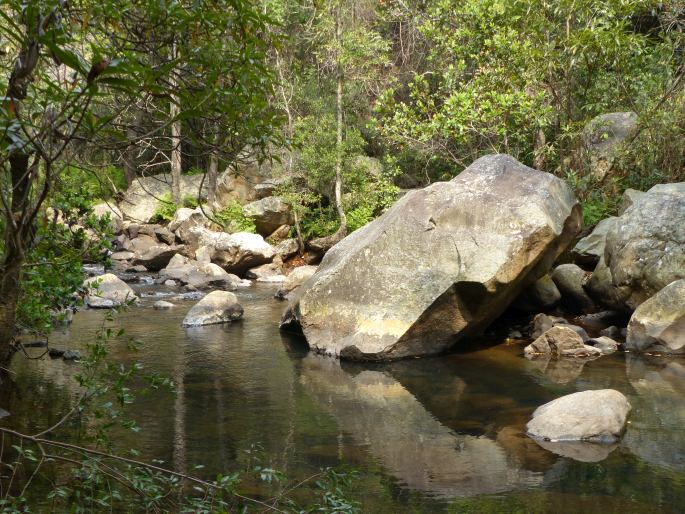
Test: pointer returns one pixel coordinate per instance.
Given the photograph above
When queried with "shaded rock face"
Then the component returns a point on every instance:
(601, 287)
(269, 214)
(570, 279)
(216, 307)
(560, 341)
(596, 416)
(541, 295)
(659, 323)
(590, 249)
(107, 291)
(440, 265)
(629, 197)
(155, 257)
(645, 247)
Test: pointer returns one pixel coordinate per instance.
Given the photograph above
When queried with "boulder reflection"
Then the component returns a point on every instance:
(405, 438)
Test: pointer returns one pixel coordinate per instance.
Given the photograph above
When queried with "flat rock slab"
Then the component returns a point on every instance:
(596, 416)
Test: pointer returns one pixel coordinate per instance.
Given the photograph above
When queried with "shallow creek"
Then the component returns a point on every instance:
(427, 435)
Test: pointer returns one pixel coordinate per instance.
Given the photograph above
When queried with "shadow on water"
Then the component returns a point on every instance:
(428, 435)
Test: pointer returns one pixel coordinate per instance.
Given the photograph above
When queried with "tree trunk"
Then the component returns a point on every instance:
(174, 111)
(130, 164)
(339, 132)
(212, 176)
(17, 237)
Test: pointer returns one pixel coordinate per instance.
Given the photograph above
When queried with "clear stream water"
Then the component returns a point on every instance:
(440, 434)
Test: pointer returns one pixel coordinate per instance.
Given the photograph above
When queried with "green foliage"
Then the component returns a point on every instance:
(166, 209)
(233, 219)
(500, 72)
(652, 157)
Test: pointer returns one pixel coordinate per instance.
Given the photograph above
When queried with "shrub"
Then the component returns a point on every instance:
(233, 219)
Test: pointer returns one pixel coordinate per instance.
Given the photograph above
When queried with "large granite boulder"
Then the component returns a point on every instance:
(438, 266)
(107, 291)
(645, 247)
(658, 324)
(216, 307)
(596, 416)
(269, 214)
(237, 252)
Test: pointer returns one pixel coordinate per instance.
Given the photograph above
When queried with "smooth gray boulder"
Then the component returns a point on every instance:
(216, 307)
(658, 324)
(596, 416)
(645, 247)
(269, 214)
(237, 252)
(601, 288)
(541, 295)
(590, 249)
(560, 341)
(162, 305)
(107, 291)
(570, 279)
(439, 266)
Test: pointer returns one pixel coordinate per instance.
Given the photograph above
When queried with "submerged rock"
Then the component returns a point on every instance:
(560, 341)
(659, 323)
(162, 305)
(438, 266)
(107, 291)
(216, 307)
(595, 416)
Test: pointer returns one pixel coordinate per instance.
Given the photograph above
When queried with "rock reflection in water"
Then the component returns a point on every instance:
(657, 436)
(579, 450)
(376, 410)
